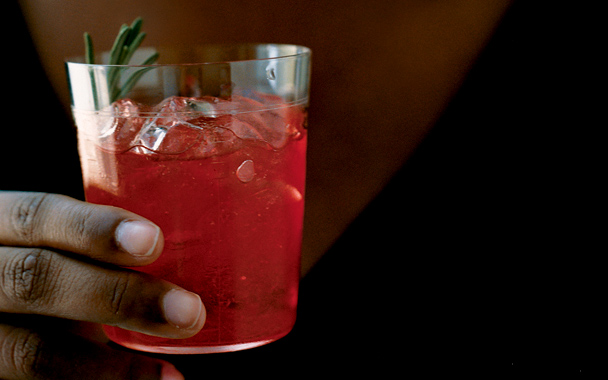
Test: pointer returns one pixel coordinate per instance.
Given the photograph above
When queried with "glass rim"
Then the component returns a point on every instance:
(301, 50)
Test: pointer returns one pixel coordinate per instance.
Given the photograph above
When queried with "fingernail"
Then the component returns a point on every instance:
(182, 309)
(169, 372)
(137, 238)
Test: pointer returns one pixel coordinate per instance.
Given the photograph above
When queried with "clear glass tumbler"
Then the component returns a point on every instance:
(211, 146)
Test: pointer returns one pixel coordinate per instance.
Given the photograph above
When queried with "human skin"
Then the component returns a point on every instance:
(60, 279)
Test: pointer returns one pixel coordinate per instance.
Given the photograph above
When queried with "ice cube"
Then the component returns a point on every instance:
(190, 128)
(216, 139)
(169, 131)
(270, 121)
(170, 106)
(242, 129)
(210, 106)
(180, 137)
(159, 136)
(119, 124)
(259, 117)
(170, 110)
(202, 106)
(177, 107)
(152, 135)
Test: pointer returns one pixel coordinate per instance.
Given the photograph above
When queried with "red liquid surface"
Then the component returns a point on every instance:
(231, 212)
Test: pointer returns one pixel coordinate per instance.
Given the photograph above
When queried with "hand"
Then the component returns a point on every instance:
(59, 261)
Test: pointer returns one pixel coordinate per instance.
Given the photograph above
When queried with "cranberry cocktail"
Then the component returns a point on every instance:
(218, 163)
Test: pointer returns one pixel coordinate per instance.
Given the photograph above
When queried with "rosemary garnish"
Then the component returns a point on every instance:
(128, 40)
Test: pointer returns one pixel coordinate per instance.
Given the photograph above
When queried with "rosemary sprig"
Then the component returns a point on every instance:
(126, 43)
(129, 83)
(88, 49)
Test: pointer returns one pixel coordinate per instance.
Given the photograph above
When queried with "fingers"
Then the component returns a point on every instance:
(38, 281)
(28, 354)
(103, 233)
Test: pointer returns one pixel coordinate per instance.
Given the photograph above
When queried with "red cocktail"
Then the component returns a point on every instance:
(230, 205)
(223, 177)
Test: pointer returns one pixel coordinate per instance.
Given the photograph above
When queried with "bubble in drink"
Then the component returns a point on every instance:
(246, 171)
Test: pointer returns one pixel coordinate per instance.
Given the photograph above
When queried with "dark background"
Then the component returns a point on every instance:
(495, 269)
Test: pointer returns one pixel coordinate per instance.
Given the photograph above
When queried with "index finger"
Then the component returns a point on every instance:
(100, 232)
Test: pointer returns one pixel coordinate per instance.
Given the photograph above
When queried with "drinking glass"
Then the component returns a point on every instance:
(209, 144)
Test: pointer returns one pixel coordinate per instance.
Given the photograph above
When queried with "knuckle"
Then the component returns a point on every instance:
(25, 352)
(27, 278)
(25, 214)
(80, 222)
(118, 296)
(86, 227)
(130, 299)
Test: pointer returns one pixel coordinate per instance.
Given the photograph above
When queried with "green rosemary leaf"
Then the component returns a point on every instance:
(126, 43)
(125, 57)
(151, 59)
(135, 29)
(133, 46)
(89, 57)
(113, 75)
(118, 44)
(89, 54)
(128, 86)
(114, 72)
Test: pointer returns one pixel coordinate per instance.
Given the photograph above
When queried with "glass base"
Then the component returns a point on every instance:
(195, 350)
